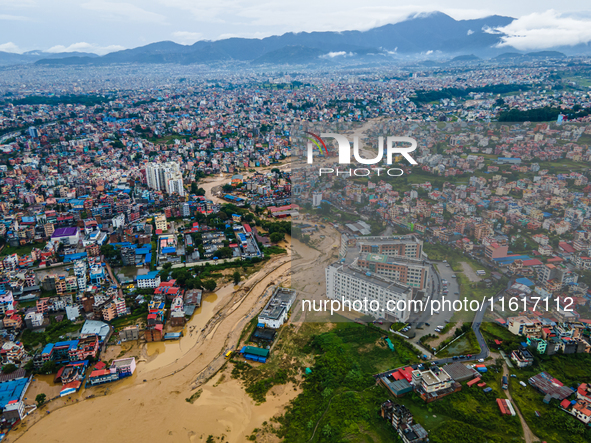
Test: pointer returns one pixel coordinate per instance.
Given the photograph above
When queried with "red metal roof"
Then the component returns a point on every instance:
(564, 403)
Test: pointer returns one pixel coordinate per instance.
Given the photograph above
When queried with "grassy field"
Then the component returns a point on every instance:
(465, 345)
(553, 424)
(468, 416)
(564, 165)
(20, 250)
(340, 400)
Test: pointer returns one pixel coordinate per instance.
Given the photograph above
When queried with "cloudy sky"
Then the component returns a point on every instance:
(103, 26)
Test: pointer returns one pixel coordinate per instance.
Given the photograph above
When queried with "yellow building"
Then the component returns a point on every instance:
(160, 221)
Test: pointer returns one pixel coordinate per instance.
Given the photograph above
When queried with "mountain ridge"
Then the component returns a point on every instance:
(422, 35)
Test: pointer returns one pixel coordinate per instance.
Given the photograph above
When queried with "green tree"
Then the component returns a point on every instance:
(224, 252)
(48, 367)
(9, 368)
(40, 399)
(276, 237)
(236, 277)
(209, 285)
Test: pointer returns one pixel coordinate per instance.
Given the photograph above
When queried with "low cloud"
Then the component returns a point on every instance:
(86, 47)
(186, 37)
(545, 30)
(470, 32)
(337, 54)
(10, 47)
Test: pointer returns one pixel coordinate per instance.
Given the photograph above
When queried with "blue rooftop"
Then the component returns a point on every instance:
(525, 281)
(148, 276)
(47, 349)
(12, 390)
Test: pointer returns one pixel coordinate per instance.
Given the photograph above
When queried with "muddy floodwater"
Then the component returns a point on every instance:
(151, 405)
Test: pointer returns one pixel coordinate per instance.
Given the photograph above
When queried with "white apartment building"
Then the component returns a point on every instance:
(275, 313)
(346, 283)
(149, 280)
(165, 177)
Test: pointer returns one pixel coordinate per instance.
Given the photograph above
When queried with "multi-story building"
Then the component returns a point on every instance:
(65, 285)
(522, 358)
(406, 271)
(149, 280)
(160, 221)
(400, 246)
(49, 229)
(524, 326)
(129, 333)
(165, 177)
(354, 286)
(80, 273)
(33, 319)
(481, 231)
(402, 421)
(13, 352)
(277, 308)
(6, 301)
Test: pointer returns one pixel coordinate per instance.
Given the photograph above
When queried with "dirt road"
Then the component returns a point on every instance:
(469, 272)
(527, 433)
(213, 184)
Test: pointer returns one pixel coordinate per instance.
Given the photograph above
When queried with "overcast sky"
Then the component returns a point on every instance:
(103, 26)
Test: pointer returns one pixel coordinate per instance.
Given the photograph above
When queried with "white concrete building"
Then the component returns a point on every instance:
(165, 177)
(346, 283)
(149, 280)
(316, 199)
(73, 312)
(275, 313)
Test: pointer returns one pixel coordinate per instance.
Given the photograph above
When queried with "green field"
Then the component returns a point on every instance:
(553, 425)
(340, 400)
(467, 416)
(20, 250)
(465, 345)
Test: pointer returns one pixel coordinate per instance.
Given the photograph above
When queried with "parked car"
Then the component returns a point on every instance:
(481, 360)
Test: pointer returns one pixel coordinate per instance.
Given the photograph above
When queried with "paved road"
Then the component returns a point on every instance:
(434, 293)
